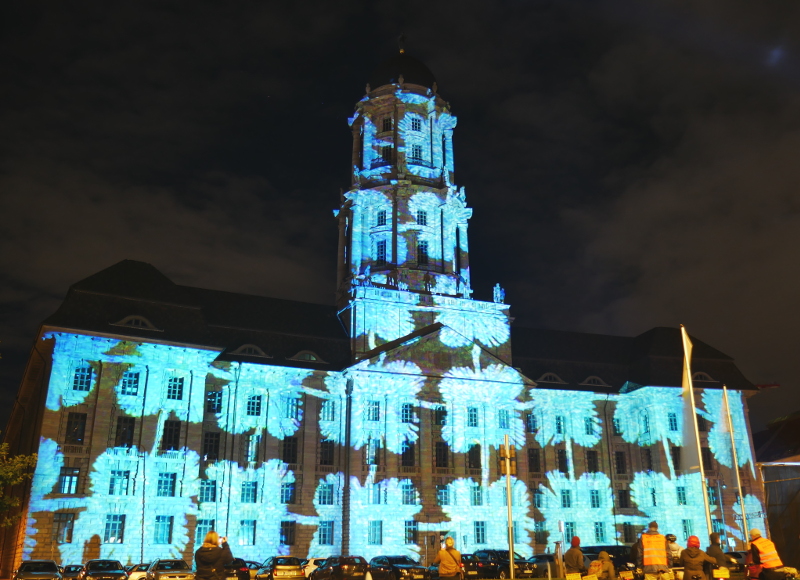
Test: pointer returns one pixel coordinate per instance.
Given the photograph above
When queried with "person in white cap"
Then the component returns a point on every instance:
(764, 552)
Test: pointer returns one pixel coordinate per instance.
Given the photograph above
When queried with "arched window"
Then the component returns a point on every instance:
(550, 378)
(594, 381)
(307, 356)
(250, 350)
(702, 377)
(135, 321)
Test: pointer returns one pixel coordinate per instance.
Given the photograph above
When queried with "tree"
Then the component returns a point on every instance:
(14, 469)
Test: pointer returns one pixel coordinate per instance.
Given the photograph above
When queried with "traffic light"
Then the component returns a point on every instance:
(512, 456)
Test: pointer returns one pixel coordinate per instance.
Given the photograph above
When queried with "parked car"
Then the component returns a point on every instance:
(37, 570)
(169, 569)
(396, 567)
(237, 569)
(138, 571)
(72, 571)
(280, 568)
(737, 558)
(253, 568)
(495, 564)
(104, 570)
(340, 567)
(312, 564)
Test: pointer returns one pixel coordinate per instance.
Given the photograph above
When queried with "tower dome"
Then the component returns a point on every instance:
(412, 70)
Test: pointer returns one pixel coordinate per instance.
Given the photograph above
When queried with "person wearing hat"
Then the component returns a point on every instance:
(573, 559)
(693, 559)
(765, 554)
(653, 552)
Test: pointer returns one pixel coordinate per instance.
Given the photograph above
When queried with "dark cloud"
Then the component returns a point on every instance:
(630, 164)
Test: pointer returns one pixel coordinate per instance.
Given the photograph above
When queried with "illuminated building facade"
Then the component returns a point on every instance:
(161, 411)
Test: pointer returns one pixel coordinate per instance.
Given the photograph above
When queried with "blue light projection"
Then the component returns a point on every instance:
(658, 496)
(719, 439)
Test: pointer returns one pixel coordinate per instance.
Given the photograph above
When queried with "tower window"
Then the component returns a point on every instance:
(416, 152)
(422, 217)
(381, 218)
(416, 124)
(380, 252)
(386, 153)
(386, 124)
(422, 252)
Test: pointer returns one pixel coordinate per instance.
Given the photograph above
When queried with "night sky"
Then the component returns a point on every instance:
(630, 164)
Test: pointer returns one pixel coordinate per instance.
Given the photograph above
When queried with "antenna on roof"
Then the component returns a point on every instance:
(401, 43)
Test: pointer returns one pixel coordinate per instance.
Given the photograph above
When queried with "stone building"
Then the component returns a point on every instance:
(161, 411)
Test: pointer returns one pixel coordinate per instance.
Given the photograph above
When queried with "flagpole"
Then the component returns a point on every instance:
(736, 465)
(687, 348)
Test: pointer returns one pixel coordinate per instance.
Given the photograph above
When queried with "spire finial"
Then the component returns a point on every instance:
(401, 43)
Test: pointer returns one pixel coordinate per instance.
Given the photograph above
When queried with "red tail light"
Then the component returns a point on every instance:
(243, 569)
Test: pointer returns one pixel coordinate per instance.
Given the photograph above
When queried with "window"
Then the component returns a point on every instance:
(249, 491)
(592, 463)
(201, 529)
(442, 495)
(326, 449)
(407, 457)
(124, 434)
(386, 153)
(130, 383)
(422, 252)
(64, 525)
(375, 533)
(68, 480)
(713, 498)
(538, 498)
(628, 533)
(208, 491)
(76, 428)
(502, 419)
(254, 406)
(539, 533)
(386, 124)
(163, 531)
(175, 388)
(702, 424)
(409, 494)
(287, 493)
(422, 217)
(594, 498)
(620, 463)
(717, 526)
(251, 444)
(407, 413)
(247, 533)
(531, 423)
(82, 380)
(376, 496)
(372, 451)
(569, 529)
(617, 425)
(708, 459)
(645, 423)
(291, 407)
(566, 498)
(325, 532)
(440, 415)
(560, 423)
(118, 482)
(676, 457)
(380, 252)
(411, 528)
(588, 425)
(472, 417)
(476, 495)
(373, 410)
(416, 124)
(653, 496)
(534, 460)
(561, 458)
(647, 459)
(325, 494)
(474, 457)
(624, 498)
(166, 484)
(672, 419)
(287, 533)
(289, 450)
(214, 402)
(115, 529)
(211, 446)
(687, 529)
(171, 438)
(480, 532)
(599, 532)
(681, 495)
(328, 412)
(441, 456)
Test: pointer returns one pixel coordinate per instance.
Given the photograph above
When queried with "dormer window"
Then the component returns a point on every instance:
(422, 217)
(702, 377)
(380, 219)
(594, 382)
(250, 350)
(138, 322)
(307, 356)
(416, 124)
(550, 378)
(386, 124)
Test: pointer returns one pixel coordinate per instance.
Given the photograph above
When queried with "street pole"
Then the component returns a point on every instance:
(735, 465)
(509, 501)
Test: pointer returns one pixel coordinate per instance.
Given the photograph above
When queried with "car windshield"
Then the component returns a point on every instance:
(172, 565)
(73, 568)
(286, 562)
(400, 560)
(468, 558)
(39, 567)
(356, 560)
(140, 567)
(103, 565)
